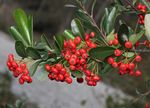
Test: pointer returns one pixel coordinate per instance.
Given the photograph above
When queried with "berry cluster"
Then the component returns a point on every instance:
(18, 69)
(126, 68)
(143, 9)
(58, 72)
(76, 53)
(114, 42)
(91, 78)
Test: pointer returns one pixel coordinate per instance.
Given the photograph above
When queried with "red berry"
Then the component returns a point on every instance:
(138, 73)
(92, 34)
(59, 66)
(47, 67)
(117, 52)
(96, 78)
(90, 83)
(131, 66)
(21, 81)
(9, 64)
(110, 42)
(82, 61)
(67, 56)
(82, 51)
(123, 67)
(19, 70)
(68, 80)
(147, 105)
(87, 72)
(30, 80)
(138, 58)
(22, 66)
(114, 64)
(54, 70)
(77, 40)
(60, 77)
(72, 61)
(128, 45)
(87, 37)
(131, 73)
(115, 42)
(110, 60)
(72, 67)
(63, 71)
(80, 80)
(25, 72)
(85, 56)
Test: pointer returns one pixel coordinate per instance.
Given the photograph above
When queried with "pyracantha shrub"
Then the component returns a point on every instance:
(86, 51)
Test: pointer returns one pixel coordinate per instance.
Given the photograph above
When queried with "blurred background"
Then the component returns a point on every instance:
(52, 17)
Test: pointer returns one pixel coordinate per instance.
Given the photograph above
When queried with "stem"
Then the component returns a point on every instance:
(129, 3)
(93, 22)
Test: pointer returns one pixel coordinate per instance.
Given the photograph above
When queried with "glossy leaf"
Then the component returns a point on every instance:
(34, 67)
(111, 20)
(77, 28)
(68, 34)
(129, 54)
(45, 40)
(135, 37)
(20, 49)
(123, 34)
(110, 36)
(59, 41)
(30, 25)
(101, 52)
(104, 19)
(22, 24)
(83, 16)
(93, 6)
(33, 53)
(16, 35)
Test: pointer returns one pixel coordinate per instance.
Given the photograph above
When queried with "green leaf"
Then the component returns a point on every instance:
(110, 36)
(77, 74)
(123, 34)
(34, 67)
(135, 37)
(20, 49)
(16, 35)
(82, 15)
(104, 19)
(68, 34)
(107, 68)
(19, 103)
(77, 28)
(129, 54)
(33, 53)
(93, 5)
(111, 20)
(101, 52)
(22, 24)
(45, 40)
(30, 25)
(59, 39)
(119, 2)
(147, 25)
(9, 106)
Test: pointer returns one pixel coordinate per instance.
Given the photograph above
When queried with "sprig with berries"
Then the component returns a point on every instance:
(86, 51)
